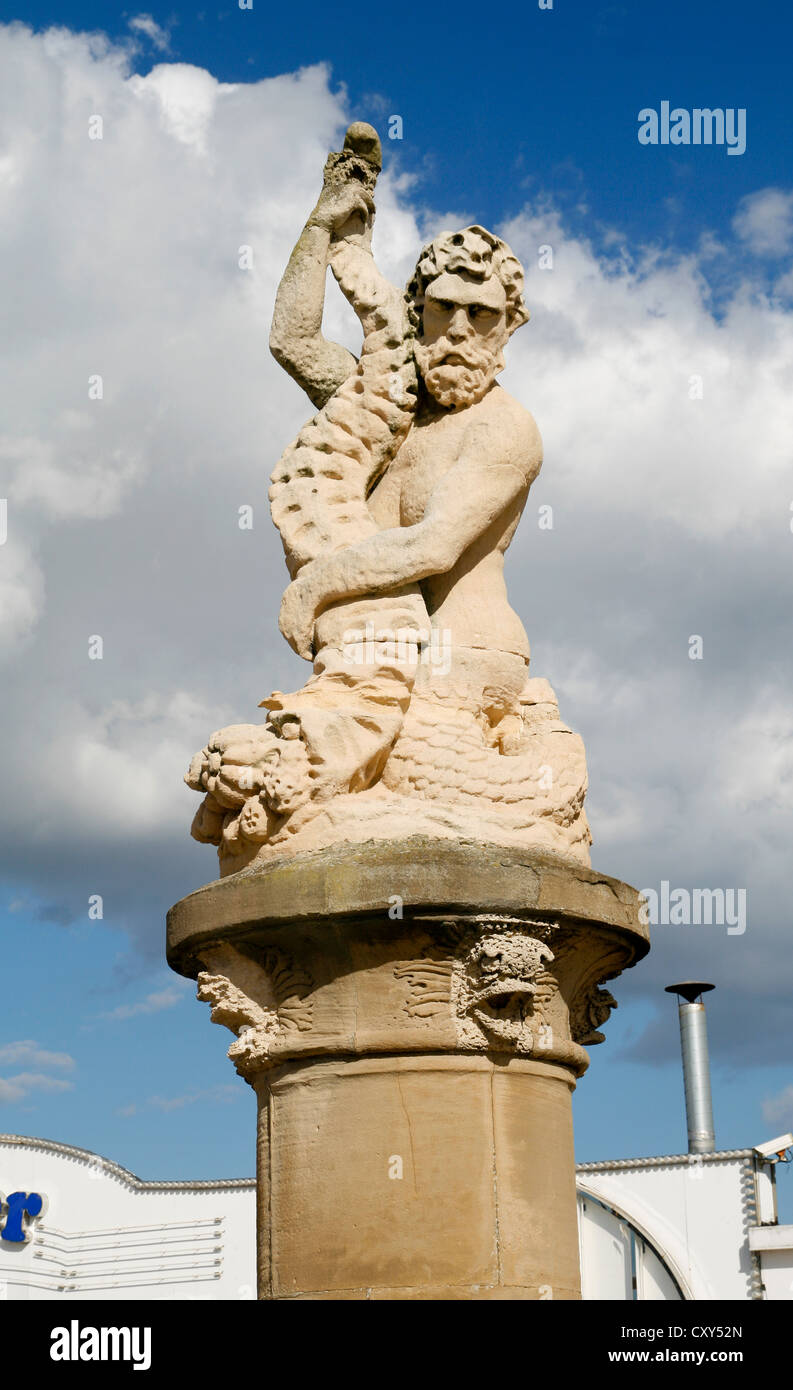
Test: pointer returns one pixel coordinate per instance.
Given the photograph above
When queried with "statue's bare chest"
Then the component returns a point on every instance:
(428, 452)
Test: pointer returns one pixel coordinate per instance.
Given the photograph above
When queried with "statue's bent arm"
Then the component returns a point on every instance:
(296, 339)
(468, 499)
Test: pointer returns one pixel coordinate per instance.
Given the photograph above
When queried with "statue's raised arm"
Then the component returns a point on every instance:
(319, 488)
(344, 212)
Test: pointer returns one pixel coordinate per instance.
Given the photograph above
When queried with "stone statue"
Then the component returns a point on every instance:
(396, 505)
(411, 959)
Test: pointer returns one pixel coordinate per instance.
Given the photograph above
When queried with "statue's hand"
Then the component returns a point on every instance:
(338, 203)
(298, 614)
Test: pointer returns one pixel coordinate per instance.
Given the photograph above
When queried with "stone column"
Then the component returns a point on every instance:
(413, 1016)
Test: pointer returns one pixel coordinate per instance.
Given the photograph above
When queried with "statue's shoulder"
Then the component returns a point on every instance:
(516, 425)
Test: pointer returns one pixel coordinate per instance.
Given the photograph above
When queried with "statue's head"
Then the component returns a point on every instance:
(465, 299)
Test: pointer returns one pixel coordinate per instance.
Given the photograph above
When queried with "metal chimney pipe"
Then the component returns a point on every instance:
(696, 1065)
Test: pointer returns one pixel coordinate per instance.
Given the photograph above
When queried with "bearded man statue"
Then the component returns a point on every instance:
(396, 505)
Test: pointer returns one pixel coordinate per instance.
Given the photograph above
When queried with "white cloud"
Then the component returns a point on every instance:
(153, 1003)
(135, 235)
(22, 589)
(14, 1088)
(185, 98)
(760, 772)
(63, 480)
(30, 1052)
(764, 221)
(144, 24)
(212, 1095)
(127, 759)
(625, 342)
(26, 1052)
(221, 1095)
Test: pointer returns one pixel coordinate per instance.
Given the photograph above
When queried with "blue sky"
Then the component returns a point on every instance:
(522, 98)
(513, 117)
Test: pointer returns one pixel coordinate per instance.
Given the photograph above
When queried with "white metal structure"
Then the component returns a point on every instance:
(679, 1226)
(617, 1261)
(774, 1245)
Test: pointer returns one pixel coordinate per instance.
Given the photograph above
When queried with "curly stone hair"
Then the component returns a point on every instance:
(477, 253)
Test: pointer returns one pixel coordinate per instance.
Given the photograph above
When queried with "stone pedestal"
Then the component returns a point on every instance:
(413, 1016)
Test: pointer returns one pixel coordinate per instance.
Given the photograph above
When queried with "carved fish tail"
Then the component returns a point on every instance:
(320, 485)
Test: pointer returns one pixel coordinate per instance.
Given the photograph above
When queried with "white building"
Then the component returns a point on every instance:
(104, 1233)
(681, 1227)
(688, 1226)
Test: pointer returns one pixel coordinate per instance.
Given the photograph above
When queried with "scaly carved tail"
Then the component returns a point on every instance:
(320, 485)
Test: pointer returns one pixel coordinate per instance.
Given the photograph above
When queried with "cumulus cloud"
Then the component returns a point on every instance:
(21, 592)
(673, 404)
(185, 98)
(145, 24)
(764, 221)
(666, 411)
(123, 510)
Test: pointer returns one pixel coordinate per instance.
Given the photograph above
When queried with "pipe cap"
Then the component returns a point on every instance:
(690, 989)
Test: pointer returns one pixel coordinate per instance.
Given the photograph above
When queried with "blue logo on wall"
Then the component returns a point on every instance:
(17, 1206)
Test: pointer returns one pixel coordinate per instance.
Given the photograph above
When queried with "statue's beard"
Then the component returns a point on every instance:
(462, 382)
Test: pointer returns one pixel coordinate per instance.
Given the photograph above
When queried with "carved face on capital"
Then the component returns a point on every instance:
(466, 297)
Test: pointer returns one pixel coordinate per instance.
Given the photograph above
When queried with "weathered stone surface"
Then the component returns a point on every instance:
(422, 1005)
(426, 873)
(396, 504)
(416, 946)
(418, 1178)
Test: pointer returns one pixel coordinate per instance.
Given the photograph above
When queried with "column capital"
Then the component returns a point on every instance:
(418, 946)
